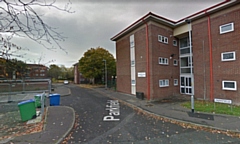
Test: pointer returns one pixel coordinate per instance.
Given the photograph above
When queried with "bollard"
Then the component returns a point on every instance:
(192, 103)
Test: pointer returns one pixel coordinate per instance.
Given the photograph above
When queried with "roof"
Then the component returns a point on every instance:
(165, 21)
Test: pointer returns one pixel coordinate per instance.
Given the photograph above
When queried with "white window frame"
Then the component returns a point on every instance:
(175, 60)
(132, 63)
(162, 39)
(226, 88)
(175, 82)
(165, 40)
(231, 24)
(174, 42)
(163, 61)
(133, 82)
(234, 56)
(164, 83)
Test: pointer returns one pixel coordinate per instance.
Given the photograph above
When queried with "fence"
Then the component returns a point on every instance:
(23, 86)
(43, 97)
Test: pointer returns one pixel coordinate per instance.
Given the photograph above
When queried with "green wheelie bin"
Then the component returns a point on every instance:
(27, 110)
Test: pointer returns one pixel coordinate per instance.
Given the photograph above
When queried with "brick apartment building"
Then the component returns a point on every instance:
(36, 71)
(196, 55)
(78, 77)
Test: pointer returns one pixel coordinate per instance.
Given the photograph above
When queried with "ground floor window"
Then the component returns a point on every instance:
(229, 85)
(163, 83)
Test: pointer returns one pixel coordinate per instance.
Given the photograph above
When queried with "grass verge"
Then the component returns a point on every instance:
(205, 106)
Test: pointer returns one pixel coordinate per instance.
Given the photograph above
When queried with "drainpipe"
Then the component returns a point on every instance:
(147, 57)
(210, 57)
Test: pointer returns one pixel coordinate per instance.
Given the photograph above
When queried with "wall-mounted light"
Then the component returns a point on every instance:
(171, 56)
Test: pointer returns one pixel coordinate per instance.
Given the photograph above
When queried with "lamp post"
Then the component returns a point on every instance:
(191, 64)
(105, 62)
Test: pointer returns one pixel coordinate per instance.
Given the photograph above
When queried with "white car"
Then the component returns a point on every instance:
(66, 82)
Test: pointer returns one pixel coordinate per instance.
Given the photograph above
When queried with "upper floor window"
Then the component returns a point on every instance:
(184, 45)
(133, 63)
(163, 60)
(162, 39)
(228, 56)
(226, 28)
(174, 43)
(175, 62)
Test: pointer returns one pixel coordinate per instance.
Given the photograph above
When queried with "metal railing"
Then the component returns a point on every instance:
(11, 88)
(27, 85)
(43, 97)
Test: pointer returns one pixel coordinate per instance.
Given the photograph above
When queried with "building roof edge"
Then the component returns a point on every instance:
(168, 21)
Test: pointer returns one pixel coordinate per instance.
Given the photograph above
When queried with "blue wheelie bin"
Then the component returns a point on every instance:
(54, 99)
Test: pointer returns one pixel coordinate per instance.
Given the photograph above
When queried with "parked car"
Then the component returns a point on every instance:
(65, 82)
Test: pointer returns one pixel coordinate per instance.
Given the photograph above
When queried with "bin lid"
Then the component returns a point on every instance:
(38, 95)
(55, 94)
(26, 101)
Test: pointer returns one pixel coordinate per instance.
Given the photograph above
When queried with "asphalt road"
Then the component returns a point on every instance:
(132, 128)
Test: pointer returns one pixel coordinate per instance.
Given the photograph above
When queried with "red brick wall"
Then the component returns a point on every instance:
(157, 72)
(220, 43)
(170, 72)
(141, 60)
(123, 65)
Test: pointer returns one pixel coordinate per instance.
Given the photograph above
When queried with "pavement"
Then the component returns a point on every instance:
(60, 120)
(173, 111)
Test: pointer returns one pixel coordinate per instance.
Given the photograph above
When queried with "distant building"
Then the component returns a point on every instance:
(36, 71)
(76, 74)
(197, 55)
(2, 68)
(78, 77)
(32, 71)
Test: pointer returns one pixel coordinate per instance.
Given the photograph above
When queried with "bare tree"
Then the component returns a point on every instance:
(20, 18)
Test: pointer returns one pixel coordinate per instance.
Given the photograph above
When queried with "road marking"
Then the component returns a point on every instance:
(96, 140)
(114, 110)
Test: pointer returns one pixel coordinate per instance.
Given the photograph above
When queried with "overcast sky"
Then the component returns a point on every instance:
(96, 21)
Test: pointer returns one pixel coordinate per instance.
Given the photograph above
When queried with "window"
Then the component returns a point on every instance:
(163, 83)
(132, 44)
(165, 40)
(226, 28)
(133, 82)
(162, 39)
(228, 56)
(229, 85)
(132, 63)
(163, 61)
(36, 74)
(184, 46)
(174, 43)
(175, 82)
(175, 62)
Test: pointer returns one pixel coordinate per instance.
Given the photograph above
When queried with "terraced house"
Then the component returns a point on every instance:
(198, 55)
